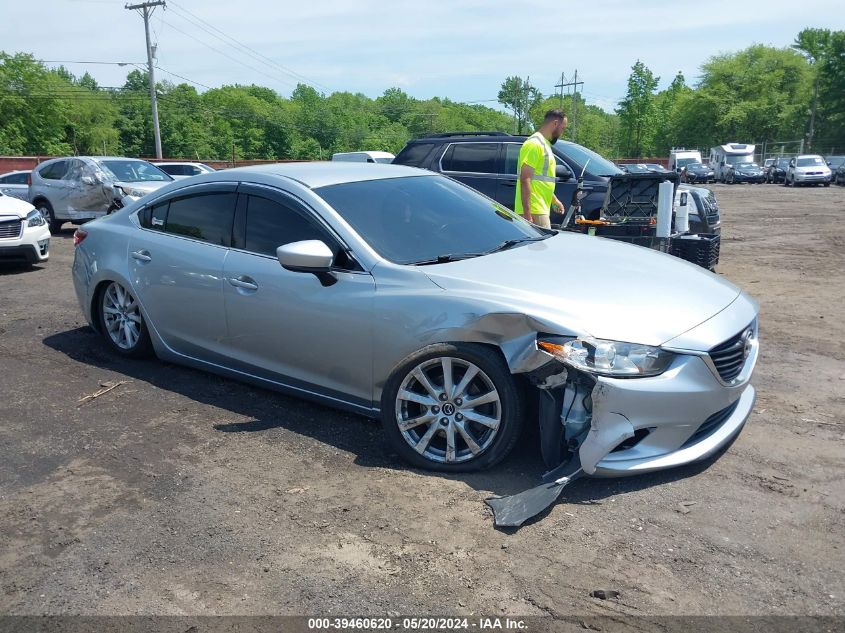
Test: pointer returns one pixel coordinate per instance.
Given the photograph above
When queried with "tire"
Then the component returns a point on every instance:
(495, 424)
(46, 210)
(827, 184)
(121, 321)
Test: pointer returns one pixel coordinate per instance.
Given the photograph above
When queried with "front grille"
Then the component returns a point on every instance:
(10, 228)
(729, 357)
(711, 424)
(712, 210)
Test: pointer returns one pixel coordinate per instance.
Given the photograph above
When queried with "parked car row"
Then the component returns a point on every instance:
(80, 188)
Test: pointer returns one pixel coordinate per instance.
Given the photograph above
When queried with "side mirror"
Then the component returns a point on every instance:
(562, 172)
(308, 256)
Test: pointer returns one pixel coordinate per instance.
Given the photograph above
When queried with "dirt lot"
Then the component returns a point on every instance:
(183, 493)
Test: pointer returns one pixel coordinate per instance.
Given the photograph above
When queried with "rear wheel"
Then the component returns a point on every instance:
(46, 211)
(121, 322)
(453, 408)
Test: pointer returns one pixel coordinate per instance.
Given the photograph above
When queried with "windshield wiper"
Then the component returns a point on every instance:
(444, 259)
(510, 243)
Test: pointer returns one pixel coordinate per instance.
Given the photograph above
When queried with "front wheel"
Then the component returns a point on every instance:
(121, 322)
(452, 407)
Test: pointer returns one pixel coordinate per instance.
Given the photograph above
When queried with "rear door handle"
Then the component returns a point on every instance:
(247, 283)
(142, 256)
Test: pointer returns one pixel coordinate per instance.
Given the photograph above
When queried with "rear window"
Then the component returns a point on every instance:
(54, 171)
(476, 158)
(414, 155)
(207, 217)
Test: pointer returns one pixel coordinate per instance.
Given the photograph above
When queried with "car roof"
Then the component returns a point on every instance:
(179, 162)
(15, 171)
(324, 173)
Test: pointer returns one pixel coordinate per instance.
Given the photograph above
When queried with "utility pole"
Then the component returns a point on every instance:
(561, 85)
(146, 10)
(574, 83)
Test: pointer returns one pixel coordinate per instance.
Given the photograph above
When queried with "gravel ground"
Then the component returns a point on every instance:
(180, 492)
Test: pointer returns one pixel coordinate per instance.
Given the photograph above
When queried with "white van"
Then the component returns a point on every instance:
(680, 157)
(364, 157)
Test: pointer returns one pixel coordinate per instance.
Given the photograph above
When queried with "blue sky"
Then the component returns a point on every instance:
(462, 49)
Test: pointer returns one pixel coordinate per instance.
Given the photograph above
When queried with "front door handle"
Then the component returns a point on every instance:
(247, 283)
(509, 183)
(142, 256)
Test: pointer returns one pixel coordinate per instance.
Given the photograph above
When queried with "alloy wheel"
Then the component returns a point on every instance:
(448, 410)
(121, 316)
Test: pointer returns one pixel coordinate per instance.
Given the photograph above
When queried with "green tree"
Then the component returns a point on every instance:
(519, 96)
(823, 50)
(637, 112)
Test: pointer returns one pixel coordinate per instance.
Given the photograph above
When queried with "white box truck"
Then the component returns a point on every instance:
(723, 156)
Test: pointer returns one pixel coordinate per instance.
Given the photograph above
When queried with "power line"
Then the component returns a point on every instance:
(229, 57)
(248, 50)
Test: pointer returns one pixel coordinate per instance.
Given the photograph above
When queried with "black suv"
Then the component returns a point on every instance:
(486, 161)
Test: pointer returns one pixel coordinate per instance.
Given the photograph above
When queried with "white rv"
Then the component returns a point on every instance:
(680, 157)
(723, 156)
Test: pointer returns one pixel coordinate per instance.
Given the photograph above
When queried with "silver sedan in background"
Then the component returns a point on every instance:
(406, 296)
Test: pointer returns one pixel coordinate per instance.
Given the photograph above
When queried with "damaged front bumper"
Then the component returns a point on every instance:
(629, 426)
(648, 424)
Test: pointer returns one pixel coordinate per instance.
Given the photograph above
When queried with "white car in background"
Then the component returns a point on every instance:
(15, 183)
(180, 170)
(24, 233)
(810, 169)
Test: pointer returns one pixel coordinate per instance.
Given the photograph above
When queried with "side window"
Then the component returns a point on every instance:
(478, 158)
(270, 224)
(74, 171)
(154, 217)
(54, 171)
(511, 158)
(18, 179)
(415, 154)
(206, 217)
(192, 170)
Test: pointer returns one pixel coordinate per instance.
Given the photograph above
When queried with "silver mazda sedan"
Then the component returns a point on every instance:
(406, 296)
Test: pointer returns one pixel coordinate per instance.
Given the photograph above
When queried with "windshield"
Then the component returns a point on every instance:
(134, 171)
(782, 163)
(835, 161)
(579, 155)
(681, 162)
(735, 160)
(747, 165)
(696, 166)
(420, 218)
(811, 161)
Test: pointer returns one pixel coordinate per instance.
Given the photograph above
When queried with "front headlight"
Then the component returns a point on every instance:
(608, 358)
(34, 218)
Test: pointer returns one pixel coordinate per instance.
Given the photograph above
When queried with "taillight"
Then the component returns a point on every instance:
(29, 179)
(78, 236)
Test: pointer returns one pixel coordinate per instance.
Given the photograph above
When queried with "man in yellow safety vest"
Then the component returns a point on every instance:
(535, 189)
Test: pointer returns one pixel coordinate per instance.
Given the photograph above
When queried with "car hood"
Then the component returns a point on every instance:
(16, 207)
(589, 285)
(146, 186)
